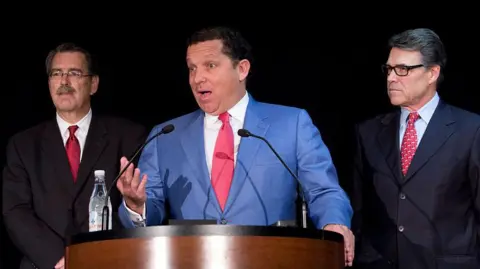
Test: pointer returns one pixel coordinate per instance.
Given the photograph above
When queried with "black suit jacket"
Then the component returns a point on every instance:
(429, 218)
(42, 206)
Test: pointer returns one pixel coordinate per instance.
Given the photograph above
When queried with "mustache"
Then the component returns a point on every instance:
(65, 89)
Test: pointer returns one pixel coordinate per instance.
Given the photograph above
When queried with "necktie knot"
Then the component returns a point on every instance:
(72, 129)
(224, 117)
(413, 117)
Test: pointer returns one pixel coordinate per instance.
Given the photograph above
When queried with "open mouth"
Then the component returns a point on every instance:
(204, 94)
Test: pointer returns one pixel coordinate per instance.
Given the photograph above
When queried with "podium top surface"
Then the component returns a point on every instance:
(205, 230)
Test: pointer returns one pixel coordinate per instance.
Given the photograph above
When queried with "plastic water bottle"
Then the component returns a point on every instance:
(97, 202)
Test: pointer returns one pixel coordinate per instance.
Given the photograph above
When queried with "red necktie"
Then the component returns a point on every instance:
(73, 151)
(223, 161)
(409, 142)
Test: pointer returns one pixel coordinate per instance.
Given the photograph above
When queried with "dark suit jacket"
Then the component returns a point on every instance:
(42, 205)
(429, 218)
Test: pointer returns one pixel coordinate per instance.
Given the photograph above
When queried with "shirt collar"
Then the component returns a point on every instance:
(82, 124)
(426, 112)
(237, 112)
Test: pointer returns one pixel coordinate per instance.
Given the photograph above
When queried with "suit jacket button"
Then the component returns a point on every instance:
(224, 221)
(402, 196)
(400, 229)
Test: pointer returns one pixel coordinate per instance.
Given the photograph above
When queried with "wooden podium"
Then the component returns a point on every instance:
(206, 246)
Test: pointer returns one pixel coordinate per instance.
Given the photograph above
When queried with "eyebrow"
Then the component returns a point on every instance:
(74, 68)
(398, 64)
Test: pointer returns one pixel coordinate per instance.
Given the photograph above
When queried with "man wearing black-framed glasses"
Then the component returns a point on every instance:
(401, 70)
(416, 196)
(49, 175)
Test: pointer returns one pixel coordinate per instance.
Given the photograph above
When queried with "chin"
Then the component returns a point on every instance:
(65, 108)
(396, 101)
(209, 109)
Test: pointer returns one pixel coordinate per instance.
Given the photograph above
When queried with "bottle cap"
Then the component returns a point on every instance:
(99, 173)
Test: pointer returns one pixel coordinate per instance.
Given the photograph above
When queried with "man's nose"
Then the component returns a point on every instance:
(65, 80)
(198, 77)
(392, 76)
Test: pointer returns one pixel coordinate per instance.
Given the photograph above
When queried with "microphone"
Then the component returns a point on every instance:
(246, 133)
(106, 211)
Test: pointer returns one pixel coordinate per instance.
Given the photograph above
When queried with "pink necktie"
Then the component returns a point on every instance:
(409, 142)
(73, 151)
(223, 161)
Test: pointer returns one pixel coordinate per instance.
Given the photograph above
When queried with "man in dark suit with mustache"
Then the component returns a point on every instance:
(417, 195)
(48, 178)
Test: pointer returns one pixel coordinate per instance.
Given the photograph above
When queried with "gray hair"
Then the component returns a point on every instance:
(425, 41)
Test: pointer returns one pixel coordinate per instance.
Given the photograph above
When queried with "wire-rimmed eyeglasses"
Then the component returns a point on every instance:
(75, 74)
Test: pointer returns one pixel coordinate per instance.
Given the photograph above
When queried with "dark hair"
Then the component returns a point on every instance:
(71, 47)
(235, 46)
(425, 41)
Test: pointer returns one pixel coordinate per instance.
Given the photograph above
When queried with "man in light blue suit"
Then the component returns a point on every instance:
(186, 168)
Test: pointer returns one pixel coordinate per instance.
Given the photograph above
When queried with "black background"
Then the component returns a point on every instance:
(329, 66)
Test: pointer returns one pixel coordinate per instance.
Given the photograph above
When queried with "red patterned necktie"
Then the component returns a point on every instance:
(223, 161)
(73, 151)
(409, 142)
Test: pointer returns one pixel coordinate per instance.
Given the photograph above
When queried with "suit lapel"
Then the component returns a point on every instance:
(53, 149)
(254, 122)
(94, 146)
(389, 146)
(437, 133)
(193, 144)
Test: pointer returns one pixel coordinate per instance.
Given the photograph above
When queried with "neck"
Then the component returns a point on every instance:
(236, 98)
(421, 101)
(75, 116)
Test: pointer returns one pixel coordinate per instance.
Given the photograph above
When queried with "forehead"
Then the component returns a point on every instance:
(204, 50)
(69, 60)
(399, 56)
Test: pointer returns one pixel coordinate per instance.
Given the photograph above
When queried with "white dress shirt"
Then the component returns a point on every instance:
(426, 113)
(211, 127)
(81, 132)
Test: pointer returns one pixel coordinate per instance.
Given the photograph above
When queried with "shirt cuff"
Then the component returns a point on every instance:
(137, 219)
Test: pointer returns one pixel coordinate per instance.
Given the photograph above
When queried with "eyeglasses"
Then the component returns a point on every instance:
(400, 70)
(72, 74)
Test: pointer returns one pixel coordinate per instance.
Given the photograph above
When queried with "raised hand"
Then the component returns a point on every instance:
(131, 187)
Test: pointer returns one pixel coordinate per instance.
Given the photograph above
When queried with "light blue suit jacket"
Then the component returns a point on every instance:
(262, 191)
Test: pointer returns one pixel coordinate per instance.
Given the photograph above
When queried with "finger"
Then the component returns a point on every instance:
(128, 175)
(346, 245)
(350, 258)
(141, 188)
(135, 180)
(120, 186)
(350, 249)
(60, 264)
(123, 162)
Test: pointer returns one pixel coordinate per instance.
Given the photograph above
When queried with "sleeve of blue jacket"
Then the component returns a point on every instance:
(155, 204)
(327, 201)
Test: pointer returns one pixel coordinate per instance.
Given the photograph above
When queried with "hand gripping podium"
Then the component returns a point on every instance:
(206, 246)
